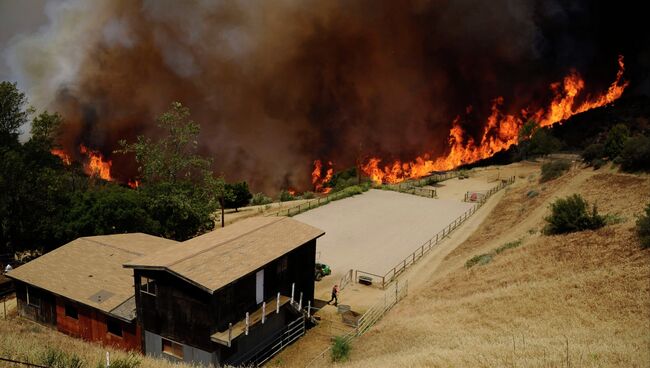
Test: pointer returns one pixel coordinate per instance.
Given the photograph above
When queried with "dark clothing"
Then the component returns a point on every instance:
(335, 293)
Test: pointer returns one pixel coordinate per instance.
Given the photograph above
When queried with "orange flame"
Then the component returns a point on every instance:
(133, 183)
(96, 165)
(319, 181)
(500, 131)
(62, 155)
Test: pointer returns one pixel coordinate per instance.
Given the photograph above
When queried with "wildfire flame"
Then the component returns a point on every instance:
(96, 165)
(62, 155)
(500, 131)
(133, 183)
(316, 177)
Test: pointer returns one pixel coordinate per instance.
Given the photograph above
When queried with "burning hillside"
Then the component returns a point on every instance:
(499, 132)
(278, 85)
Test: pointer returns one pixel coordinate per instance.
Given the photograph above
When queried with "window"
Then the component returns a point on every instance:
(32, 298)
(114, 326)
(148, 286)
(282, 268)
(71, 311)
(172, 348)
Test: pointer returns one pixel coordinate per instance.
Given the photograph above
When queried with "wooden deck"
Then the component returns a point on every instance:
(254, 318)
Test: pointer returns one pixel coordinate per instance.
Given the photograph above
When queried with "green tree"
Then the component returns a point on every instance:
(182, 192)
(543, 143)
(14, 112)
(241, 195)
(616, 140)
(173, 157)
(108, 209)
(523, 137)
(46, 129)
(635, 155)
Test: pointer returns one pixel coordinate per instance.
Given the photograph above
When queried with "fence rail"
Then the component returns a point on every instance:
(306, 206)
(367, 320)
(22, 363)
(414, 186)
(346, 279)
(411, 259)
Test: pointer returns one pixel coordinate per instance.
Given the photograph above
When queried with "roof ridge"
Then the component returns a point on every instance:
(223, 242)
(87, 238)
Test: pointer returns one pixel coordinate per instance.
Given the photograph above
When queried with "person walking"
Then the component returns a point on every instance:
(335, 294)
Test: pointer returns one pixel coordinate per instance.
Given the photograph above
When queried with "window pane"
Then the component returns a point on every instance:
(33, 298)
(172, 348)
(114, 326)
(71, 311)
(148, 285)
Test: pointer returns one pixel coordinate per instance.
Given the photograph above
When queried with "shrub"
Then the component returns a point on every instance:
(554, 169)
(130, 361)
(308, 195)
(286, 196)
(56, 358)
(509, 245)
(598, 163)
(480, 260)
(260, 199)
(340, 349)
(543, 143)
(643, 228)
(593, 152)
(635, 155)
(616, 140)
(572, 214)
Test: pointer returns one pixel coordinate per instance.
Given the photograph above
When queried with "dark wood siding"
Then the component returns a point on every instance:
(188, 314)
(45, 313)
(179, 310)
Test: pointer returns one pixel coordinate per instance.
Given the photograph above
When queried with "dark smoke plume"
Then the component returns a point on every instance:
(277, 84)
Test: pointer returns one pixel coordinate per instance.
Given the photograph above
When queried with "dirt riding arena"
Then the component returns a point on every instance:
(375, 231)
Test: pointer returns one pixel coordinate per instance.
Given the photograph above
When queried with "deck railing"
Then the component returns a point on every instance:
(367, 320)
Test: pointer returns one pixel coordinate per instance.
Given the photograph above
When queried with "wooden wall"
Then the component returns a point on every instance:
(91, 325)
(46, 313)
(188, 314)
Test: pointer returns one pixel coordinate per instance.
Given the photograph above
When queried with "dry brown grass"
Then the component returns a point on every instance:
(27, 341)
(580, 299)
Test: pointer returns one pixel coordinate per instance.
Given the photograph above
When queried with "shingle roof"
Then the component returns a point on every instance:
(89, 270)
(215, 259)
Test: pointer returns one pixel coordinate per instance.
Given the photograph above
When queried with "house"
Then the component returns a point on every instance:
(82, 289)
(226, 297)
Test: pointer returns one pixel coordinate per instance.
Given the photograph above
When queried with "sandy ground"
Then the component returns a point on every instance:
(378, 229)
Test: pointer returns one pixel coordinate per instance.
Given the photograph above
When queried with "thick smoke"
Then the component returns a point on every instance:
(277, 84)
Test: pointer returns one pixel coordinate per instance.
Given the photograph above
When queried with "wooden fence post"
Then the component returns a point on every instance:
(263, 312)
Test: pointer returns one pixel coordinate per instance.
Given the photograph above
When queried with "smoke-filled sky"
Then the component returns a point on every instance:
(278, 84)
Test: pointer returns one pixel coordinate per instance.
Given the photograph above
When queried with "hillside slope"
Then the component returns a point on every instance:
(580, 299)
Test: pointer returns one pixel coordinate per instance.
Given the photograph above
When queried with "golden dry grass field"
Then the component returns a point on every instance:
(576, 300)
